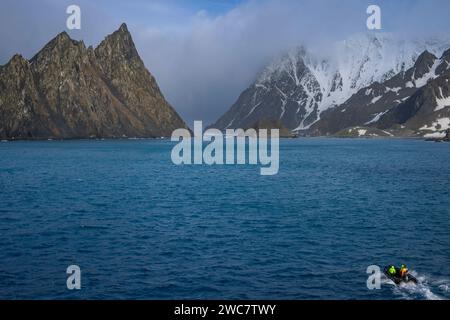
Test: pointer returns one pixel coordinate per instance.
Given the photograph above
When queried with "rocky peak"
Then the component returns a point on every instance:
(423, 64)
(446, 55)
(17, 61)
(17, 67)
(119, 44)
(445, 64)
(61, 50)
(70, 91)
(59, 43)
(426, 56)
(61, 37)
(123, 28)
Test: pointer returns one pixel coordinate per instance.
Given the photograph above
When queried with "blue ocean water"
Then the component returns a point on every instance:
(140, 227)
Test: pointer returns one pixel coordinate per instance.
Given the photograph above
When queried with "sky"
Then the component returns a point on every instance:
(204, 53)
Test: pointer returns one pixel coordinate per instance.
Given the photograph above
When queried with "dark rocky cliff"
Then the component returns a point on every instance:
(70, 91)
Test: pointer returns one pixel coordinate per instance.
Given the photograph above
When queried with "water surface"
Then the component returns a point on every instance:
(142, 228)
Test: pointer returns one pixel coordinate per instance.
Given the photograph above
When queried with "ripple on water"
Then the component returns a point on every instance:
(142, 228)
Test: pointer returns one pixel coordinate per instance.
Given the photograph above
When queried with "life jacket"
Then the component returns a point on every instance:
(403, 271)
(392, 270)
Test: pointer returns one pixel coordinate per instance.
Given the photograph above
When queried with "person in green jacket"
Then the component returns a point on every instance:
(392, 271)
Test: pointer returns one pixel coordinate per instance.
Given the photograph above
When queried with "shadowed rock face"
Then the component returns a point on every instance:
(70, 91)
(272, 124)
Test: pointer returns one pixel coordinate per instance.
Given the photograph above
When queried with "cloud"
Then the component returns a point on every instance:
(26, 26)
(204, 53)
(203, 66)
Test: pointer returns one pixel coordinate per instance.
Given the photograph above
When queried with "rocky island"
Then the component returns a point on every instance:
(69, 91)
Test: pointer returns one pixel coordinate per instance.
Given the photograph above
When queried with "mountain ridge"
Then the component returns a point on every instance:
(69, 91)
(388, 105)
(299, 87)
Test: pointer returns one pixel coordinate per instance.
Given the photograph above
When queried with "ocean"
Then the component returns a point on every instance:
(140, 227)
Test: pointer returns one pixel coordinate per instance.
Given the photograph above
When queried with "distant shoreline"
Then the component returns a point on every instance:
(168, 138)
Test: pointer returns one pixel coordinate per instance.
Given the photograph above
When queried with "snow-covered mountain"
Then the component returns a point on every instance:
(391, 104)
(427, 111)
(300, 85)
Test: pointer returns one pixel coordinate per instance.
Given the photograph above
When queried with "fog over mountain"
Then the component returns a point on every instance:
(204, 53)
